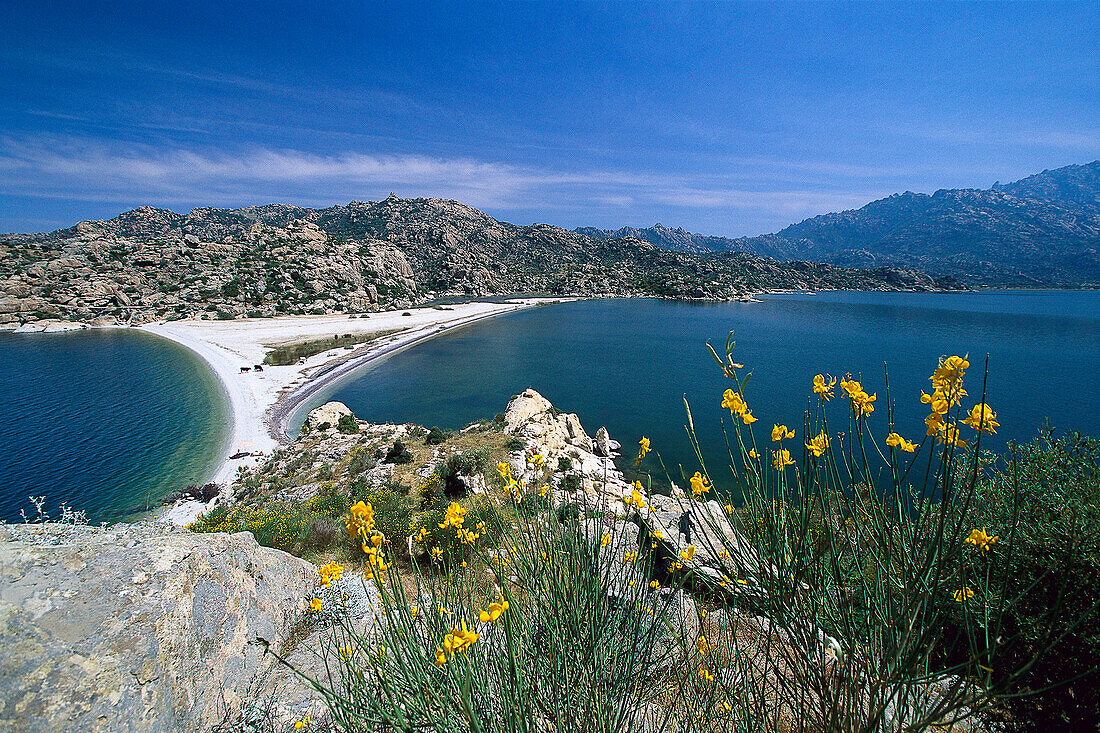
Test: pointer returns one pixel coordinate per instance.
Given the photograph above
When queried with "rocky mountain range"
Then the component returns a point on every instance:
(152, 264)
(1041, 231)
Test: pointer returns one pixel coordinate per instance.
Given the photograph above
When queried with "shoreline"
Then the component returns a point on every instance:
(261, 404)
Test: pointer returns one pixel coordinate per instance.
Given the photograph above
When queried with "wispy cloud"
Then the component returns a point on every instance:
(90, 170)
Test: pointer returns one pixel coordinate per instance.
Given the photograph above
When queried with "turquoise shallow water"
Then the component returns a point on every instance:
(107, 420)
(627, 364)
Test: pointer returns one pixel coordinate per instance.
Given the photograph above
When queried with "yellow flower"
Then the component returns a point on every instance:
(635, 498)
(781, 432)
(736, 405)
(703, 645)
(643, 448)
(315, 605)
(729, 509)
(949, 435)
(456, 515)
(982, 418)
(422, 535)
(440, 657)
(818, 444)
(707, 676)
(862, 403)
(360, 520)
(699, 484)
(654, 584)
(689, 553)
(437, 554)
(823, 385)
(536, 460)
(414, 613)
(329, 572)
(753, 453)
(494, 611)
(963, 594)
(782, 457)
(605, 540)
(299, 724)
(630, 557)
(459, 640)
(896, 441)
(980, 539)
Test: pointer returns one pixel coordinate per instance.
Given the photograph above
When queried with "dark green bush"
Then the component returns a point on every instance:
(398, 453)
(514, 444)
(1055, 562)
(347, 424)
(435, 437)
(565, 464)
(571, 482)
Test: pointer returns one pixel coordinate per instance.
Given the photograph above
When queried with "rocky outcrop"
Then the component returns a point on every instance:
(327, 415)
(131, 628)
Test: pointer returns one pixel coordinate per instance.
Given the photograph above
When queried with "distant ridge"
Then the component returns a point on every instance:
(1040, 231)
(152, 264)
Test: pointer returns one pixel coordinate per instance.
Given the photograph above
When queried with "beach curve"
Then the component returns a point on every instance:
(261, 403)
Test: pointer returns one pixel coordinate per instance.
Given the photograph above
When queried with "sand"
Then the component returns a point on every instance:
(261, 403)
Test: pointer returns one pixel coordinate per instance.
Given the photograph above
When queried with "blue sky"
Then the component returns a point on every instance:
(723, 118)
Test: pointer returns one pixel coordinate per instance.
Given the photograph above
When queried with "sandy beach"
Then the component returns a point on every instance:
(262, 403)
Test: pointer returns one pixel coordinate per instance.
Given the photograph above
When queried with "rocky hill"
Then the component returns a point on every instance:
(151, 264)
(1041, 231)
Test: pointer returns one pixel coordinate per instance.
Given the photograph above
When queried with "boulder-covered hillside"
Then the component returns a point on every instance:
(151, 264)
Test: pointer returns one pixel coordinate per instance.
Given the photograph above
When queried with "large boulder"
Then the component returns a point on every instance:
(135, 628)
(327, 414)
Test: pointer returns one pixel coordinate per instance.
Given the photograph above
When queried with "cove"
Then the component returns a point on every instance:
(108, 421)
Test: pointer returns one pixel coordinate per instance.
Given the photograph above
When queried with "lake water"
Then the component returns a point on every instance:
(112, 420)
(628, 364)
(107, 420)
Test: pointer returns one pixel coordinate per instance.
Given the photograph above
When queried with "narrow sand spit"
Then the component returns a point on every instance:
(262, 402)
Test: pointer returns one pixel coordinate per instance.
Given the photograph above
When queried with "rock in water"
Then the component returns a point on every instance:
(131, 628)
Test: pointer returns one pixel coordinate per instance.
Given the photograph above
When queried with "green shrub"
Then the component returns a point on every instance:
(571, 482)
(515, 444)
(360, 460)
(435, 436)
(347, 424)
(1054, 486)
(565, 464)
(398, 453)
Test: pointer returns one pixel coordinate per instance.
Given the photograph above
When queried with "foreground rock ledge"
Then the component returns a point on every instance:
(131, 628)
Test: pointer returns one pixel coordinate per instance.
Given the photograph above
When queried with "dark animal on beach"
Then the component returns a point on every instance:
(257, 368)
(245, 369)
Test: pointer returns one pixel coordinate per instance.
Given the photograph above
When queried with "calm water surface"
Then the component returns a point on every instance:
(628, 364)
(108, 421)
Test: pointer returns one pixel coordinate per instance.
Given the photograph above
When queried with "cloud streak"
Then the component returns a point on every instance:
(89, 170)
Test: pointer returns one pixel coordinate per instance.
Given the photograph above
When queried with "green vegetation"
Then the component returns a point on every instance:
(435, 436)
(347, 425)
(290, 353)
(1048, 492)
(835, 608)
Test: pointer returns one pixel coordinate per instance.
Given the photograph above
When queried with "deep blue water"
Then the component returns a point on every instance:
(107, 420)
(627, 364)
